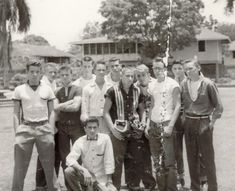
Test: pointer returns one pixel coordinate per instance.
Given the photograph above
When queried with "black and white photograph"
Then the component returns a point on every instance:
(117, 95)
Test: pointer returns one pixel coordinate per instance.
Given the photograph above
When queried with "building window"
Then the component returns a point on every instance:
(132, 47)
(126, 48)
(119, 48)
(233, 54)
(140, 46)
(201, 46)
(99, 48)
(112, 48)
(106, 48)
(93, 48)
(86, 49)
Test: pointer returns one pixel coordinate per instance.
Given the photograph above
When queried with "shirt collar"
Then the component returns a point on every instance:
(93, 139)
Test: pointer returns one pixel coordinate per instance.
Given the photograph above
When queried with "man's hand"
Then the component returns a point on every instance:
(211, 124)
(146, 132)
(87, 177)
(168, 131)
(110, 186)
(84, 118)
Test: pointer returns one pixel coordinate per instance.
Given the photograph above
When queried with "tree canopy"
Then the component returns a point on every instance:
(35, 40)
(147, 21)
(92, 30)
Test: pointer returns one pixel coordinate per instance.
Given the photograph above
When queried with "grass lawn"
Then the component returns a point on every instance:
(224, 141)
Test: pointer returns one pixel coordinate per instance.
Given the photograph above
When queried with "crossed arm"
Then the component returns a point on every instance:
(68, 106)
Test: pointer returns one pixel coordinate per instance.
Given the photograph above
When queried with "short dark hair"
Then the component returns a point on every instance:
(114, 59)
(87, 59)
(194, 61)
(36, 64)
(91, 120)
(159, 59)
(76, 63)
(65, 68)
(177, 62)
(99, 62)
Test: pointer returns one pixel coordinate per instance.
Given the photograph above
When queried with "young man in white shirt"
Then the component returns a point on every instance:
(33, 103)
(114, 76)
(93, 97)
(86, 72)
(50, 75)
(165, 102)
(96, 153)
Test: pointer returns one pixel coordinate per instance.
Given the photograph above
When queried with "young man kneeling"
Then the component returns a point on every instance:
(96, 153)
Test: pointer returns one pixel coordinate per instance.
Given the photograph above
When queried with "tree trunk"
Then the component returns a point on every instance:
(4, 48)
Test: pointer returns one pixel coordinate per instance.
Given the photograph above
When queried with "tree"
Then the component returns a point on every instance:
(229, 6)
(14, 15)
(35, 40)
(147, 21)
(227, 29)
(92, 30)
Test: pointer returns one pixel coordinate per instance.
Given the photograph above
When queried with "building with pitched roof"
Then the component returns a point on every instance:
(209, 48)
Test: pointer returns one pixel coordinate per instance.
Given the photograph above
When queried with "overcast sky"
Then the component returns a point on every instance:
(62, 21)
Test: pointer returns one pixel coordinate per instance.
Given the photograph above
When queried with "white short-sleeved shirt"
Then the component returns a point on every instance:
(162, 93)
(34, 103)
(53, 84)
(108, 79)
(93, 99)
(81, 82)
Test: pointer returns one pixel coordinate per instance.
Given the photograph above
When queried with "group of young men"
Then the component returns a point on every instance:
(121, 118)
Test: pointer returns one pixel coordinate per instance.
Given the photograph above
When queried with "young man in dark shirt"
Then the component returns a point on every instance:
(202, 107)
(67, 107)
(121, 103)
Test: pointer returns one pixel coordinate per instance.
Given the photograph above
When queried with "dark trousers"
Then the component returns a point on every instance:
(66, 136)
(40, 175)
(162, 151)
(199, 139)
(138, 164)
(119, 150)
(178, 145)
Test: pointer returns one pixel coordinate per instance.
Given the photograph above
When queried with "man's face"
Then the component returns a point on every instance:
(51, 73)
(128, 77)
(100, 70)
(158, 69)
(191, 70)
(178, 70)
(92, 129)
(115, 66)
(142, 77)
(87, 67)
(65, 77)
(34, 74)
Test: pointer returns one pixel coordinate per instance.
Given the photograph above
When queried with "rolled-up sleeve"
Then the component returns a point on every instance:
(108, 157)
(75, 154)
(16, 95)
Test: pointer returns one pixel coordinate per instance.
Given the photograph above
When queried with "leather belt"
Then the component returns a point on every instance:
(35, 123)
(197, 116)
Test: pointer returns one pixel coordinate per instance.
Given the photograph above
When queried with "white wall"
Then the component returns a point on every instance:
(212, 54)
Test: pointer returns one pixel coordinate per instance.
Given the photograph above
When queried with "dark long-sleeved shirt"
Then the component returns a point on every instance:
(208, 101)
